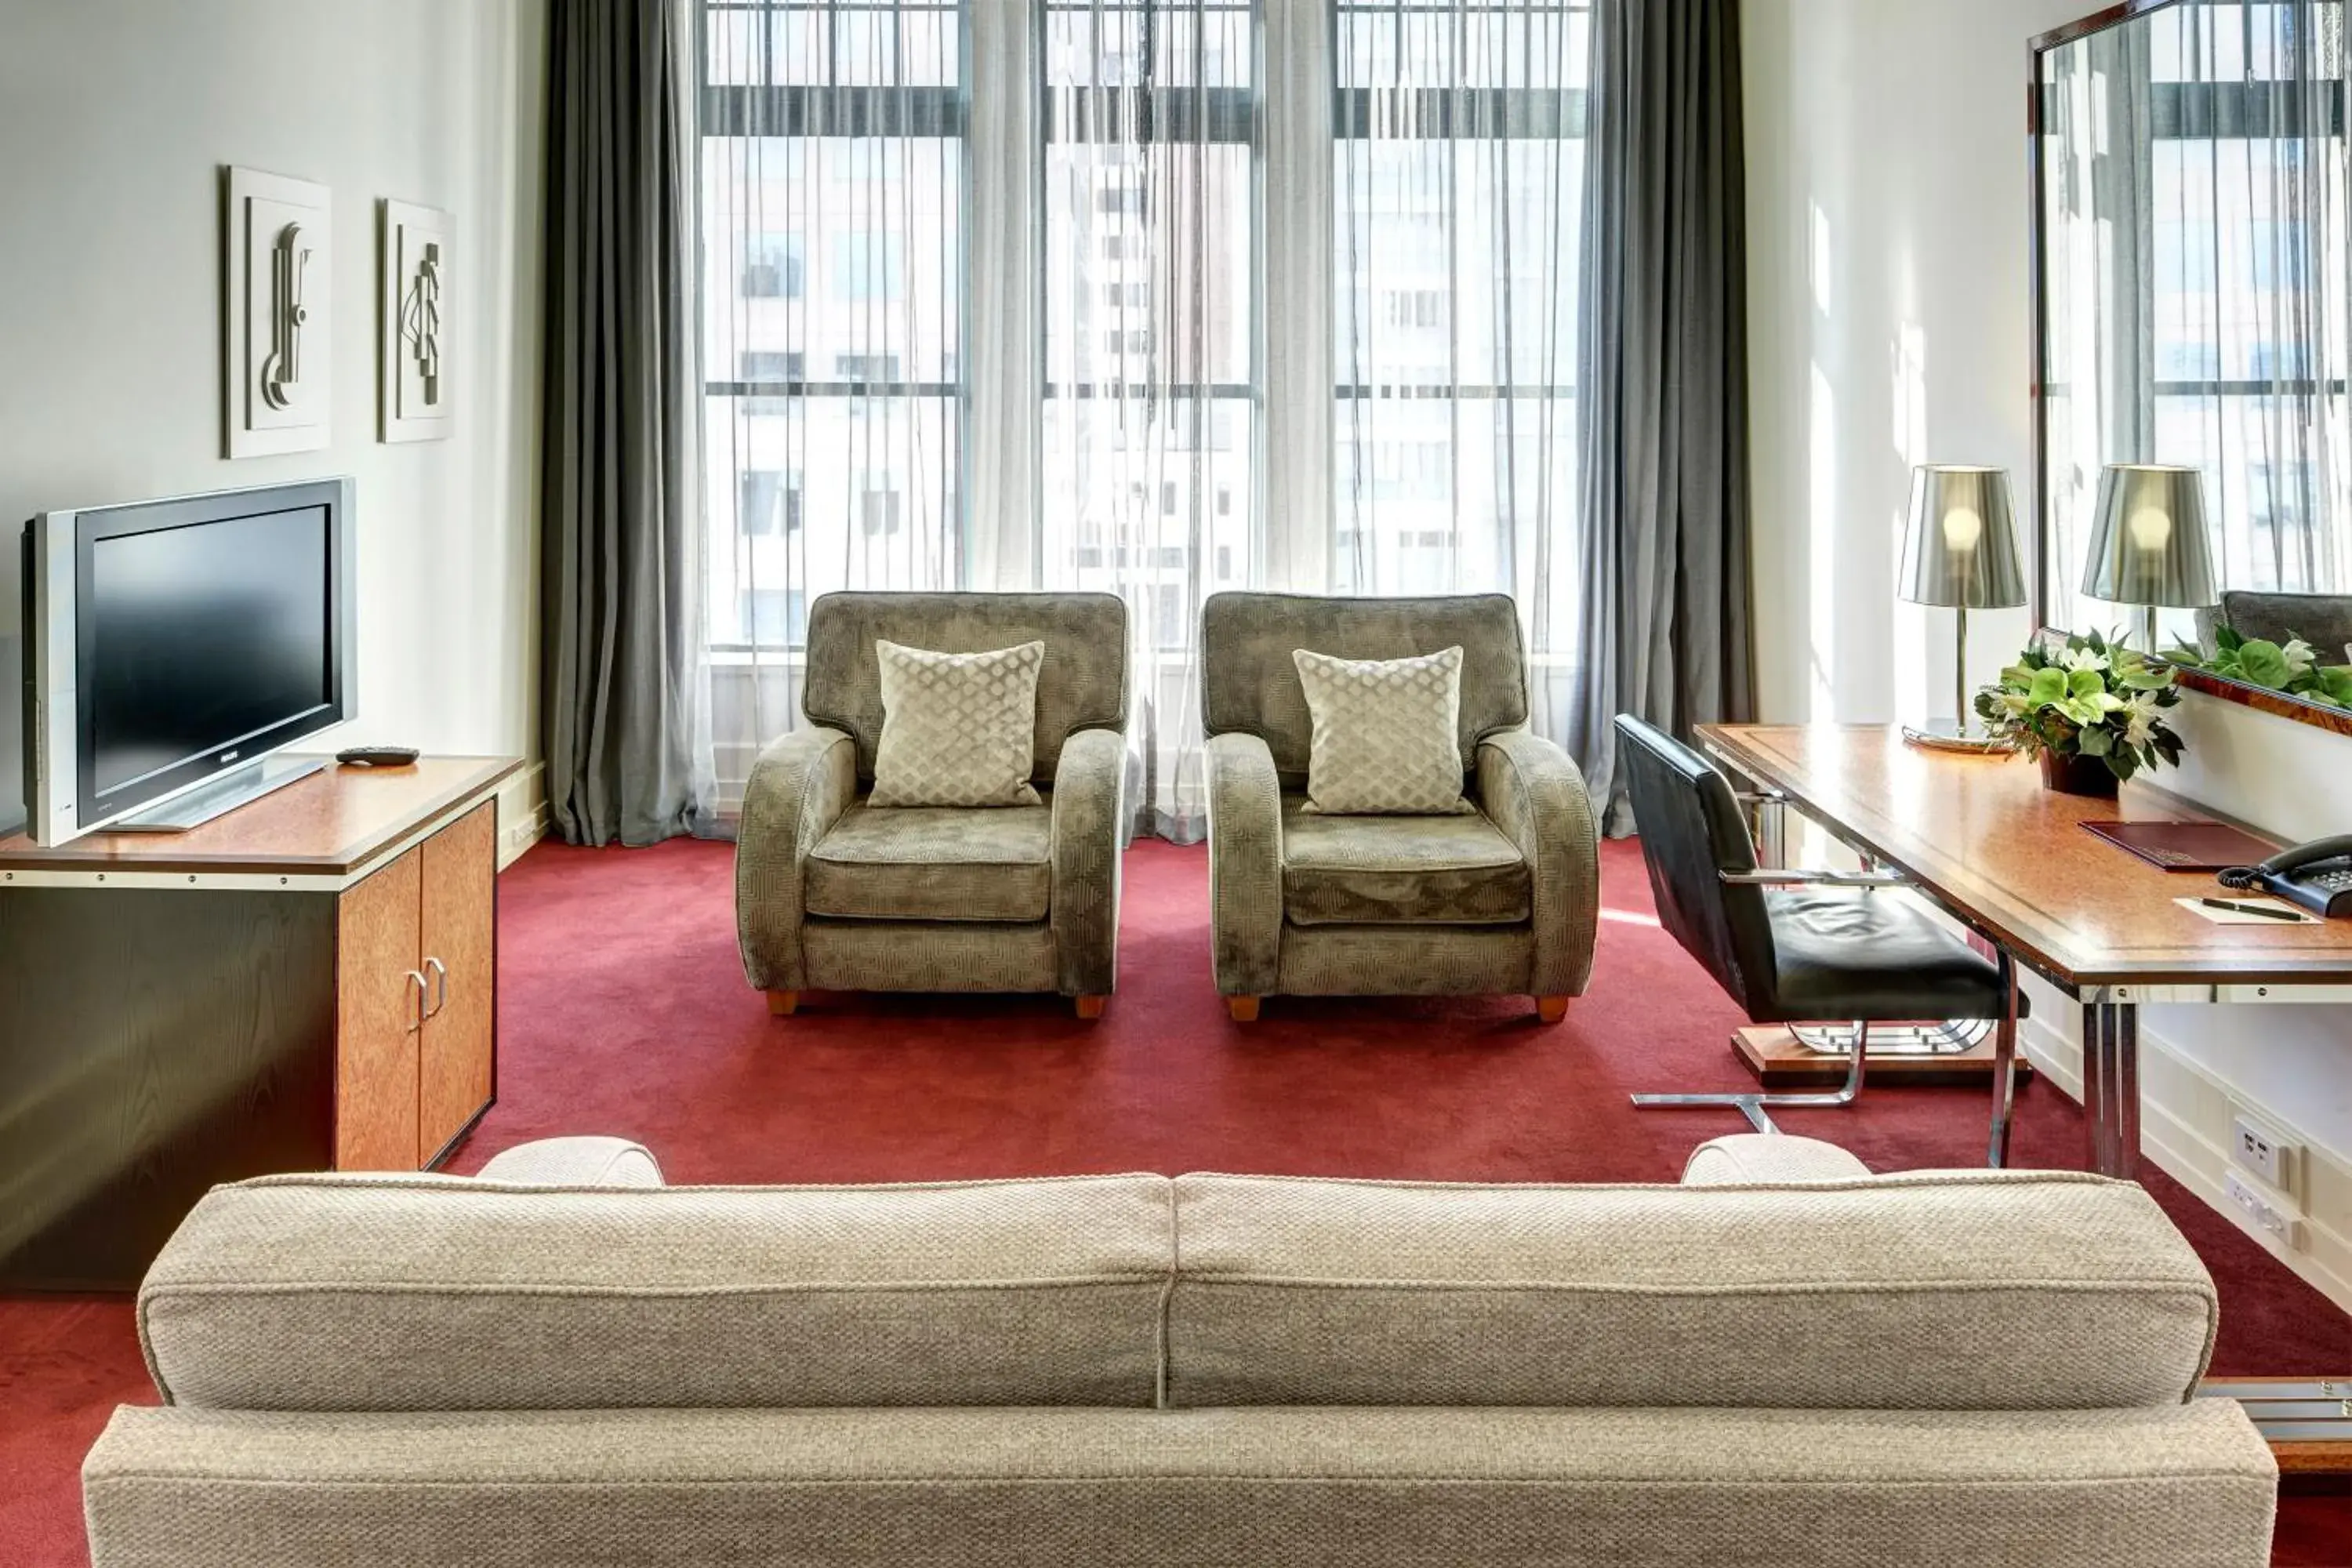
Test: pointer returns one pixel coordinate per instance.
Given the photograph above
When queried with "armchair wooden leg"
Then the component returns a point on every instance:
(1091, 1007)
(783, 1004)
(1550, 1009)
(1243, 1008)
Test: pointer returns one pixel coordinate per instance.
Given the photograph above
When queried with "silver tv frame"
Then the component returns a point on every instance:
(59, 803)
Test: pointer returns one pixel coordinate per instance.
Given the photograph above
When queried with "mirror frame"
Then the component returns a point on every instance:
(2188, 676)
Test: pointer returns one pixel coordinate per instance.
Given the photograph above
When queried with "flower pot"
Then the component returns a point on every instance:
(2074, 774)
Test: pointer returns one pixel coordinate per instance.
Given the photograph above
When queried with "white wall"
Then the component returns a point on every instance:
(1888, 300)
(115, 119)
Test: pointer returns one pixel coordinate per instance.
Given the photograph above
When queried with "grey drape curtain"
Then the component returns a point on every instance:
(1663, 383)
(620, 524)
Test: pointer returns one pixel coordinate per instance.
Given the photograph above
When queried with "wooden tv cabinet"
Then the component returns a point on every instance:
(309, 981)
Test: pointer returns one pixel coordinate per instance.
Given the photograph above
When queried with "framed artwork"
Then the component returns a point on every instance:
(413, 314)
(278, 331)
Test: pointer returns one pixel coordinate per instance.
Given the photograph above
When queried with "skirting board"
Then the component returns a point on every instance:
(523, 814)
(2173, 1144)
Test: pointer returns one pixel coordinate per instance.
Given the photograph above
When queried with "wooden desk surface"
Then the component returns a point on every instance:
(328, 824)
(1983, 838)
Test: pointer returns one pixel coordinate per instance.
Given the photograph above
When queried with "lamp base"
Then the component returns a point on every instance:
(1953, 737)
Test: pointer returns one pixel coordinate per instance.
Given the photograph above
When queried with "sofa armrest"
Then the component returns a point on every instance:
(798, 790)
(1087, 827)
(1529, 789)
(1750, 1159)
(575, 1163)
(1245, 864)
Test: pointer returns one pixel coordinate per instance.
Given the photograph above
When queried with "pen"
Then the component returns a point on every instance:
(2268, 914)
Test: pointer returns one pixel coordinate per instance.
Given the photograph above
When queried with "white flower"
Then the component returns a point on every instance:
(2300, 656)
(2075, 658)
(2140, 722)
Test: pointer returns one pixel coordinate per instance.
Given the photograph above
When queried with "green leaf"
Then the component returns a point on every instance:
(2264, 664)
(2092, 641)
(2123, 763)
(2086, 683)
(2048, 688)
(2097, 741)
(2227, 640)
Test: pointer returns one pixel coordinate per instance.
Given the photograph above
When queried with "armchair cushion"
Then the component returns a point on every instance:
(1399, 871)
(957, 727)
(934, 863)
(1383, 743)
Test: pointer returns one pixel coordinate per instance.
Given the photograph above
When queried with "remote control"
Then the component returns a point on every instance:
(378, 756)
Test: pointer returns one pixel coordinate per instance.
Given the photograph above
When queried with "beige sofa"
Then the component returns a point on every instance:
(1502, 900)
(1784, 1359)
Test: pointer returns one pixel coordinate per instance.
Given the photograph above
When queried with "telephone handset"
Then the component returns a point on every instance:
(2317, 876)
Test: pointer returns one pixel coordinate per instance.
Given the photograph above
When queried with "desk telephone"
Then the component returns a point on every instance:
(2316, 876)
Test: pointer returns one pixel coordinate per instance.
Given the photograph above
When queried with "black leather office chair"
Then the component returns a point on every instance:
(1799, 946)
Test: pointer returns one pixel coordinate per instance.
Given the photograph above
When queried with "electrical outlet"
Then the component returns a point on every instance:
(2255, 1148)
(2261, 1209)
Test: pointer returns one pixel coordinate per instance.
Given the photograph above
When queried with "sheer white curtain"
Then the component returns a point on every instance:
(1153, 297)
(1148, 420)
(833, 190)
(1459, 179)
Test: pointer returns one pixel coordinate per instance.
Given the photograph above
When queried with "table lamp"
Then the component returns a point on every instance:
(2149, 543)
(1961, 552)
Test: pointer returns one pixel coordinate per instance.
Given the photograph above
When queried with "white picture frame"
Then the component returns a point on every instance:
(414, 273)
(278, 335)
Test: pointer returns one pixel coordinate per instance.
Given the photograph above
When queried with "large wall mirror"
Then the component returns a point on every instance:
(2193, 302)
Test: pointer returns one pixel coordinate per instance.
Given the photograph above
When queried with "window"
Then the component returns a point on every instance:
(865, 367)
(768, 503)
(1149, 116)
(832, 175)
(774, 617)
(1454, 326)
(772, 267)
(867, 267)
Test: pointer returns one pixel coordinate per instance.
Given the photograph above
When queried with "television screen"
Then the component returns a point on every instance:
(202, 638)
(175, 646)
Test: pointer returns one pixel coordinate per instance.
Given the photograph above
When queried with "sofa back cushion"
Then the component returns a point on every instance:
(1946, 1291)
(1249, 683)
(434, 1293)
(1081, 686)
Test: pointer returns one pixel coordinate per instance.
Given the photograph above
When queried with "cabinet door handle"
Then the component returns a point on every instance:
(416, 1020)
(441, 988)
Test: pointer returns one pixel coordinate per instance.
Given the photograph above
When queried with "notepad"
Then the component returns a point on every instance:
(2187, 846)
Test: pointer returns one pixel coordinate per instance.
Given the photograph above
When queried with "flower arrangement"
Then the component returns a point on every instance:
(2088, 697)
(2294, 669)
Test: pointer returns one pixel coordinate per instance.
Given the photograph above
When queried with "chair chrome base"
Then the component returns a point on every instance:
(1757, 1107)
(1951, 1037)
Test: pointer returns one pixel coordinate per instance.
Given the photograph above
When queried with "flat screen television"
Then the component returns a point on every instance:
(173, 646)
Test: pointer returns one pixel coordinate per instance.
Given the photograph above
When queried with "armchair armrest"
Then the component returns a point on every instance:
(1529, 789)
(1083, 908)
(798, 790)
(1245, 864)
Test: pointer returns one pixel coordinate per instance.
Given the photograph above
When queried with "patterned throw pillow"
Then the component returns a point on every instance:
(1385, 740)
(958, 729)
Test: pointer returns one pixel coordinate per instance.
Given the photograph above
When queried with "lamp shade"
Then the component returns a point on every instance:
(2149, 543)
(1960, 549)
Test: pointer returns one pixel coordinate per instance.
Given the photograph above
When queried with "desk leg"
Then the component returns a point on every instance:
(2004, 1063)
(2111, 1085)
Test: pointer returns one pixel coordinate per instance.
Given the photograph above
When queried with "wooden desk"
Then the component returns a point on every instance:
(1982, 838)
(307, 982)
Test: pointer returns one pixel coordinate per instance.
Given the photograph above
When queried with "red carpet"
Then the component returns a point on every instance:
(624, 1011)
